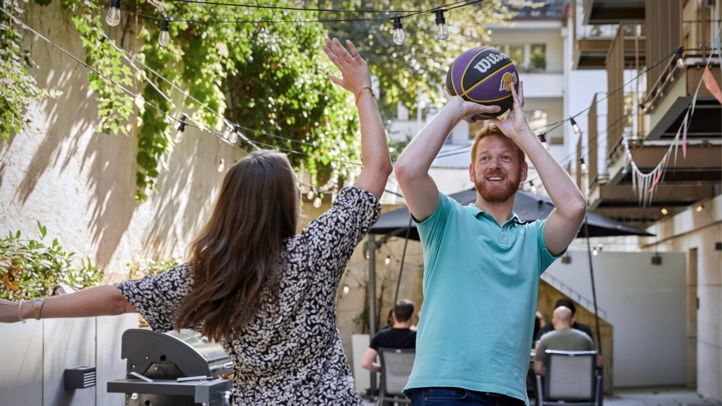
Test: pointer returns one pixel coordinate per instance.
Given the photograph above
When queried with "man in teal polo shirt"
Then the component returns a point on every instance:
(482, 264)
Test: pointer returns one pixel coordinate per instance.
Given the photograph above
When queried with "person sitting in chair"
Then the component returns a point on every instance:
(563, 338)
(400, 336)
(575, 324)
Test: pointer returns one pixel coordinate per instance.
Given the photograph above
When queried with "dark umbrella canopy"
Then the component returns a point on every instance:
(527, 206)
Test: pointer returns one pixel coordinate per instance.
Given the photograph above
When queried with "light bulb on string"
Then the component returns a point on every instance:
(345, 288)
(575, 126)
(164, 36)
(310, 195)
(227, 133)
(664, 211)
(181, 127)
(532, 187)
(442, 33)
(584, 164)
(699, 208)
(221, 165)
(595, 252)
(113, 16)
(399, 36)
(543, 139)
(317, 202)
(387, 260)
(233, 138)
(680, 58)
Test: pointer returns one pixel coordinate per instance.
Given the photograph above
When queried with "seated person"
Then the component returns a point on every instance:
(577, 326)
(563, 338)
(400, 336)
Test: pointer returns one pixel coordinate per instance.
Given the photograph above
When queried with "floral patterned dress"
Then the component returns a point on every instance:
(290, 352)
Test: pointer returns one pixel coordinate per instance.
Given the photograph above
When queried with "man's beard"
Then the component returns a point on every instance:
(498, 193)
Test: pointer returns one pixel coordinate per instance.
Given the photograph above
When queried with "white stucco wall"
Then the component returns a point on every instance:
(646, 305)
(700, 230)
(80, 184)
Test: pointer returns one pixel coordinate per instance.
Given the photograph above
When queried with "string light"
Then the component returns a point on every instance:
(317, 202)
(221, 165)
(310, 195)
(181, 127)
(680, 58)
(113, 16)
(532, 187)
(595, 252)
(233, 138)
(227, 133)
(387, 260)
(575, 126)
(399, 36)
(164, 37)
(584, 164)
(700, 207)
(442, 33)
(543, 139)
(345, 288)
(664, 211)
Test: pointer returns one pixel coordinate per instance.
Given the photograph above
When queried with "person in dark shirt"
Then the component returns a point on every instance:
(578, 326)
(400, 336)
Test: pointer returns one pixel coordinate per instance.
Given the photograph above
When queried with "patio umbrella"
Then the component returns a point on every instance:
(527, 206)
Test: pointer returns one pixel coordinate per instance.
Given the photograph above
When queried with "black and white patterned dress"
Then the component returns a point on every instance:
(292, 356)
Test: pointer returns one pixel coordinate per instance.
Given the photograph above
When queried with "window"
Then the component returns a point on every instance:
(538, 56)
(516, 53)
(537, 120)
(526, 57)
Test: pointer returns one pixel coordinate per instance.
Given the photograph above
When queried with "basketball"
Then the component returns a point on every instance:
(484, 75)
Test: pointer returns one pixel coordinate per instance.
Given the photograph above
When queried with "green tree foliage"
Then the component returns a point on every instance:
(268, 77)
(422, 61)
(18, 88)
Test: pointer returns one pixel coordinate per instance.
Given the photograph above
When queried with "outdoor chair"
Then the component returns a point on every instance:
(570, 378)
(395, 370)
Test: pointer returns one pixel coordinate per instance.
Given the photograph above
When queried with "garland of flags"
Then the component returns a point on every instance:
(644, 184)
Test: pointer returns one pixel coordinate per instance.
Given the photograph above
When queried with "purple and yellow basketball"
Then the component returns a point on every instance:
(484, 75)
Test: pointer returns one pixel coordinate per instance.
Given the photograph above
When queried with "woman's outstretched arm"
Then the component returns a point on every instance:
(98, 301)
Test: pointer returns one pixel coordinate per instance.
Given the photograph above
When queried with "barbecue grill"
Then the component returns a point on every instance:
(173, 369)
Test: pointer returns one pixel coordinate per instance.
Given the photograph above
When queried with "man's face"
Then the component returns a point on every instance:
(497, 171)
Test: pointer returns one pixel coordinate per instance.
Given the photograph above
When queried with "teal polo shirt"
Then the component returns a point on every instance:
(481, 281)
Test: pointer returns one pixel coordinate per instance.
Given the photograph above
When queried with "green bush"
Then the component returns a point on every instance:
(150, 267)
(30, 269)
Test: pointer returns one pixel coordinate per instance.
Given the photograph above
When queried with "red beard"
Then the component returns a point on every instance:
(497, 193)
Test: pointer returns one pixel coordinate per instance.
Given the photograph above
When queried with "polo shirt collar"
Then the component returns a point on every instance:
(475, 211)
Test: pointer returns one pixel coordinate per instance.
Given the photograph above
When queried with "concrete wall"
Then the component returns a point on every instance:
(37, 353)
(646, 305)
(696, 232)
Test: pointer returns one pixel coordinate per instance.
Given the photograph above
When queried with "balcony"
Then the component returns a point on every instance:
(592, 42)
(667, 99)
(614, 11)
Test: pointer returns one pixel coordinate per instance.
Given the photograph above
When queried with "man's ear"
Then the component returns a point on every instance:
(524, 171)
(472, 175)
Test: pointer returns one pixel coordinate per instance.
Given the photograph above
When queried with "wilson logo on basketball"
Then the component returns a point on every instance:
(507, 81)
(490, 60)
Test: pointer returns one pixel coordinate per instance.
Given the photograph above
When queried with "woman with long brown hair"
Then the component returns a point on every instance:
(267, 295)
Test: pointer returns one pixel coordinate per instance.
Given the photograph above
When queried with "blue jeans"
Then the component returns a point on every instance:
(457, 396)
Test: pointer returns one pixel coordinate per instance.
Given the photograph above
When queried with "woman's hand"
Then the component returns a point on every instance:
(354, 72)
